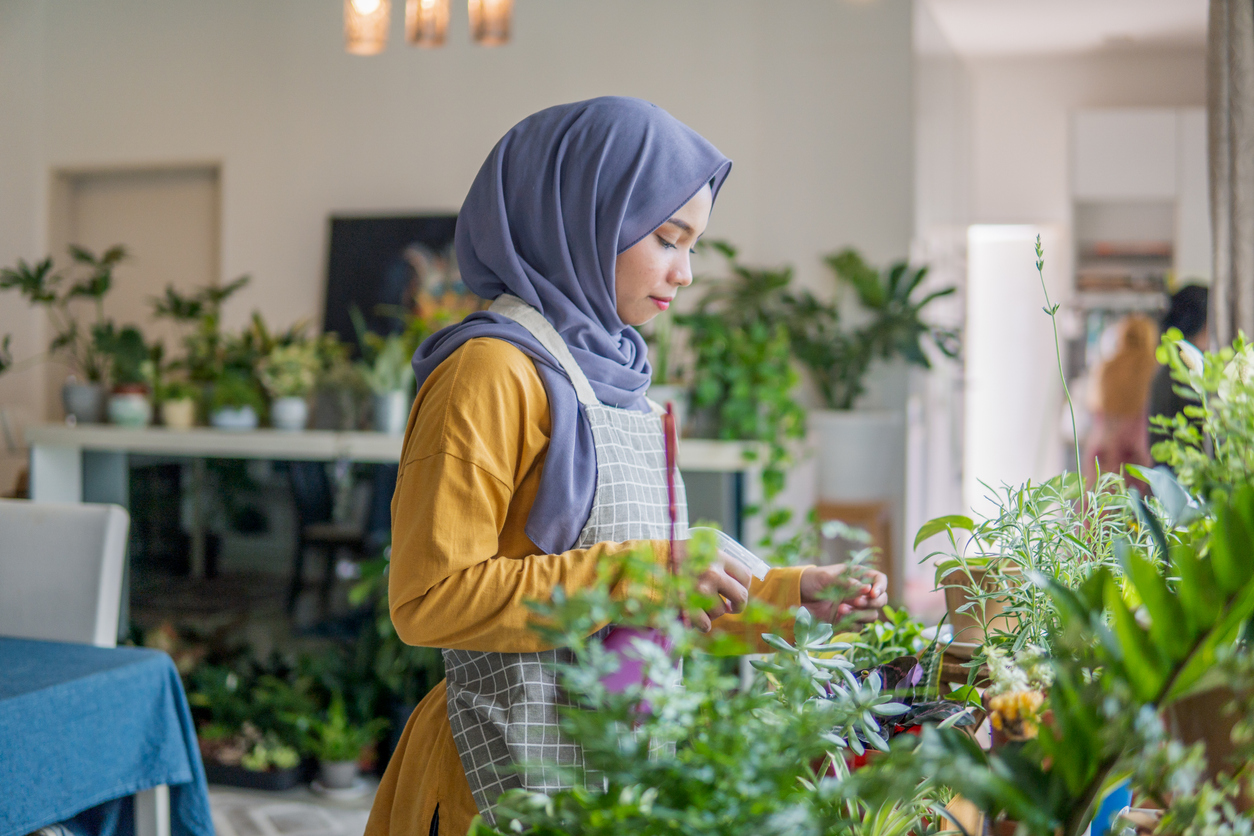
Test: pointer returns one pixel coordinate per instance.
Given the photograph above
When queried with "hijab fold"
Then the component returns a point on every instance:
(560, 196)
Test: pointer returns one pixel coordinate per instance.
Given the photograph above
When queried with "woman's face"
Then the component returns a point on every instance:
(649, 273)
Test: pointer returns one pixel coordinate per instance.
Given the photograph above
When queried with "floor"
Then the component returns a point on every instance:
(294, 812)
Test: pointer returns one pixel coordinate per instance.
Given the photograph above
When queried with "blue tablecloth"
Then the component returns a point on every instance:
(82, 725)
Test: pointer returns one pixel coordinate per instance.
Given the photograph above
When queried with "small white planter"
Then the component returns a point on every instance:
(290, 414)
(337, 775)
(234, 418)
(391, 412)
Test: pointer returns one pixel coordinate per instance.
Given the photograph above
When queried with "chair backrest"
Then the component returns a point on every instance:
(61, 571)
(311, 490)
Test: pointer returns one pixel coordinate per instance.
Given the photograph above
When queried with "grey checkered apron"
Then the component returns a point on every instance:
(503, 706)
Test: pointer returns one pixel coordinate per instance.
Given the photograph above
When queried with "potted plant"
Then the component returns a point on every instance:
(862, 452)
(245, 727)
(178, 404)
(235, 402)
(338, 745)
(131, 371)
(385, 369)
(83, 394)
(288, 374)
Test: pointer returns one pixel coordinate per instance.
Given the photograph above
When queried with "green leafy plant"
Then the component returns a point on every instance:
(710, 757)
(290, 371)
(744, 384)
(130, 358)
(333, 738)
(839, 359)
(58, 293)
(207, 352)
(1208, 446)
(233, 390)
(1115, 666)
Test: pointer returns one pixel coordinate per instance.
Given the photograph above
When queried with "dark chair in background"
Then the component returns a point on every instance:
(315, 526)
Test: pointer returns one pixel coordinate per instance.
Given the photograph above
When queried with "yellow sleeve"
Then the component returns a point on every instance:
(781, 589)
(462, 568)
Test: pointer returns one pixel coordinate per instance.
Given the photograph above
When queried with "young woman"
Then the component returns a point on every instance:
(532, 454)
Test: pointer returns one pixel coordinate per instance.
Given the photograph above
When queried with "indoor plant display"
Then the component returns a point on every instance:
(288, 373)
(338, 744)
(84, 393)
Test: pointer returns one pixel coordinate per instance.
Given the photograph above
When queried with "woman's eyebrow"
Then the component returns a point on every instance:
(681, 224)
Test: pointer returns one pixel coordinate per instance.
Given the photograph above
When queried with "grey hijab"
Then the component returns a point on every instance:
(560, 196)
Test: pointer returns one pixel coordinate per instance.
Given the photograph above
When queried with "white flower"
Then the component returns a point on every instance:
(1193, 359)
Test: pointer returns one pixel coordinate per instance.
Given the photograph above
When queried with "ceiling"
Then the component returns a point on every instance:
(1036, 27)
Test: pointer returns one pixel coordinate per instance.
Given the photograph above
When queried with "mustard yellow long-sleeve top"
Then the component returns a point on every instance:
(462, 564)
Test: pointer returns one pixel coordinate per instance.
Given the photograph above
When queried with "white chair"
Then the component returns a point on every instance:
(61, 571)
(61, 579)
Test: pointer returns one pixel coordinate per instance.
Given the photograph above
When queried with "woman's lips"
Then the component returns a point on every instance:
(662, 304)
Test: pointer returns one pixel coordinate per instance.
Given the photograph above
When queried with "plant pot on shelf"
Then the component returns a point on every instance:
(391, 411)
(861, 453)
(84, 402)
(130, 406)
(234, 418)
(1202, 718)
(179, 413)
(290, 414)
(337, 775)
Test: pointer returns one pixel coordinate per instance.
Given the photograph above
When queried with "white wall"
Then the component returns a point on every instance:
(810, 98)
(1020, 113)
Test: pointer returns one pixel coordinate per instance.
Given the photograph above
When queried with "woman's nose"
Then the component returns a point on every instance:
(682, 274)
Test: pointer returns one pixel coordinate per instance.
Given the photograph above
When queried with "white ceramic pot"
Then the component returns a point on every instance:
(179, 414)
(391, 412)
(234, 418)
(130, 409)
(84, 402)
(677, 395)
(290, 414)
(861, 454)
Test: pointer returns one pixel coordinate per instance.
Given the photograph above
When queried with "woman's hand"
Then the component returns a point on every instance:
(865, 591)
(726, 581)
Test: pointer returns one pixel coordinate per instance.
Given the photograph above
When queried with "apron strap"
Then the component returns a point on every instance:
(540, 328)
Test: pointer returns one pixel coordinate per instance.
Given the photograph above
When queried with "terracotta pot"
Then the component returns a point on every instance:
(969, 633)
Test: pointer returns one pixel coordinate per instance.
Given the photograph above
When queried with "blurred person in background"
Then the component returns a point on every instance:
(1118, 398)
(1188, 313)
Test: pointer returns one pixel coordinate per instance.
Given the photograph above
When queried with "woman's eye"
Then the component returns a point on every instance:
(666, 245)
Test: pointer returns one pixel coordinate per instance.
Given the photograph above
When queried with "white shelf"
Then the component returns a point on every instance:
(309, 445)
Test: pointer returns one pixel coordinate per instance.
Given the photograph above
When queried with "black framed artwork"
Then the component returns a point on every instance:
(389, 267)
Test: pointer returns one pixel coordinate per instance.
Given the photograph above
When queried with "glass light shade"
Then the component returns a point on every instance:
(490, 21)
(366, 26)
(426, 22)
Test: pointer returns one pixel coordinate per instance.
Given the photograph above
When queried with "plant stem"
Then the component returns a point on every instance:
(1052, 310)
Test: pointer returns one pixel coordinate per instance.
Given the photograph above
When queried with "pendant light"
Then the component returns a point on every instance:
(366, 26)
(426, 22)
(490, 21)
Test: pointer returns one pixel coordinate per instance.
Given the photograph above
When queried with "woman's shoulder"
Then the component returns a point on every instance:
(485, 365)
